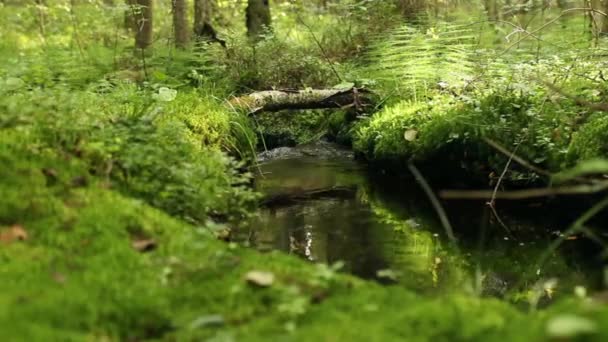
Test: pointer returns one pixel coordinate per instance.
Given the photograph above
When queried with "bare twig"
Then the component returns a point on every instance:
(576, 227)
(325, 55)
(542, 27)
(516, 158)
(492, 202)
(579, 101)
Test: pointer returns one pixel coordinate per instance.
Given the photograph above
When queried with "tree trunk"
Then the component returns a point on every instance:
(596, 20)
(258, 18)
(202, 15)
(143, 30)
(491, 8)
(203, 30)
(41, 17)
(275, 100)
(604, 18)
(411, 9)
(180, 23)
(130, 16)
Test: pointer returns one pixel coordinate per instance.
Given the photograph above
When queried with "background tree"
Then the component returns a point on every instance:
(130, 15)
(203, 30)
(180, 23)
(411, 8)
(143, 30)
(202, 16)
(258, 17)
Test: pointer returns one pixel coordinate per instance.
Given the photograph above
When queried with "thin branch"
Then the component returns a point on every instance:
(434, 200)
(325, 55)
(525, 194)
(492, 202)
(516, 158)
(542, 27)
(579, 101)
(577, 226)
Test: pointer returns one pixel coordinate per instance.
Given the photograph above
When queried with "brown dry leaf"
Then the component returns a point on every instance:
(144, 245)
(14, 233)
(59, 278)
(260, 278)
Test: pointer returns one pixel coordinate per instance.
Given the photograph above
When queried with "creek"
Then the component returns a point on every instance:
(323, 206)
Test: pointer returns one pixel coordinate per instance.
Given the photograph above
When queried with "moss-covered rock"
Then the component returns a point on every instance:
(290, 128)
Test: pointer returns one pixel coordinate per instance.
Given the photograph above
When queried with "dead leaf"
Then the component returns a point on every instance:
(59, 278)
(50, 175)
(224, 234)
(260, 278)
(14, 233)
(410, 134)
(144, 245)
(209, 320)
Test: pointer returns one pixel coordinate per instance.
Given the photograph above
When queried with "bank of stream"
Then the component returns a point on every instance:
(322, 205)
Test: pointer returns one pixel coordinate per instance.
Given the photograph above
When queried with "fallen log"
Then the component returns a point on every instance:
(276, 100)
(307, 195)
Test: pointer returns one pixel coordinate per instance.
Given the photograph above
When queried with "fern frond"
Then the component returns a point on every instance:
(412, 58)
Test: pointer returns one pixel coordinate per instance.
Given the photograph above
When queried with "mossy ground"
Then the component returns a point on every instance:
(77, 276)
(93, 166)
(80, 275)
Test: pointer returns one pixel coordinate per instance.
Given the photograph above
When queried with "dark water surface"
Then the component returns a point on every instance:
(322, 206)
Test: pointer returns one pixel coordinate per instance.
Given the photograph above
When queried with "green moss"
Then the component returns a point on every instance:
(591, 140)
(291, 128)
(449, 131)
(77, 276)
(161, 152)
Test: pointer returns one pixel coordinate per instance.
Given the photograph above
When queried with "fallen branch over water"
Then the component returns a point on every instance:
(288, 198)
(525, 194)
(275, 100)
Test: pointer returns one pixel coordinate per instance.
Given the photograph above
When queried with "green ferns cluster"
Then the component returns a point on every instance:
(412, 60)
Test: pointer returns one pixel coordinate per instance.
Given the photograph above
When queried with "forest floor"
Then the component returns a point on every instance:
(117, 186)
(86, 257)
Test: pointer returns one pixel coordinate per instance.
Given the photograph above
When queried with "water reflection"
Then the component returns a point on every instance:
(391, 234)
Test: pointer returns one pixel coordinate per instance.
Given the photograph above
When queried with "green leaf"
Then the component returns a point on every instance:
(165, 94)
(260, 278)
(344, 85)
(568, 326)
(209, 320)
(13, 83)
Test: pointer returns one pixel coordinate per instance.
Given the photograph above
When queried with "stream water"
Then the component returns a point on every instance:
(323, 206)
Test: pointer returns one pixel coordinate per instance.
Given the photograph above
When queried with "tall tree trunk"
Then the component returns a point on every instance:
(492, 9)
(411, 9)
(258, 18)
(180, 23)
(130, 15)
(604, 18)
(41, 17)
(203, 30)
(143, 30)
(202, 16)
(596, 20)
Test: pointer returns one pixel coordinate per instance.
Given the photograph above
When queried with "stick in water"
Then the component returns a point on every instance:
(438, 208)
